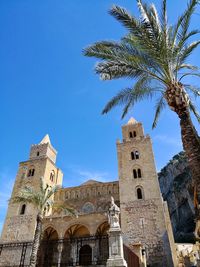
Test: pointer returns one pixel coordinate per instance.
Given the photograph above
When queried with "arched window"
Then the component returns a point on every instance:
(135, 155)
(52, 176)
(135, 173)
(31, 172)
(130, 134)
(134, 133)
(23, 208)
(139, 193)
(38, 153)
(139, 173)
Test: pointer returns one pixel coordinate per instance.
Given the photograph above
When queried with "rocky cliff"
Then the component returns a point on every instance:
(176, 188)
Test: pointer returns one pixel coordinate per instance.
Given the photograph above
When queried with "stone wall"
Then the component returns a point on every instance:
(15, 254)
(90, 197)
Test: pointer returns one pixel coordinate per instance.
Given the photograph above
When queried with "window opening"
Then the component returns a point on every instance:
(31, 172)
(136, 154)
(134, 133)
(23, 208)
(132, 155)
(52, 174)
(139, 193)
(38, 153)
(134, 173)
(131, 135)
(139, 173)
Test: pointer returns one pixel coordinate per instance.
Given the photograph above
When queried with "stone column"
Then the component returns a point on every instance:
(60, 248)
(74, 257)
(116, 252)
(93, 253)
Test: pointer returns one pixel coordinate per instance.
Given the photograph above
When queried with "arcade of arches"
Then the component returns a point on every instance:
(78, 247)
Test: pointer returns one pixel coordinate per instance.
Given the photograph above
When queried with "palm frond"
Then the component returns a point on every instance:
(164, 20)
(129, 96)
(57, 208)
(122, 97)
(104, 50)
(186, 52)
(126, 109)
(189, 74)
(194, 89)
(160, 105)
(50, 192)
(140, 31)
(194, 110)
(186, 17)
(187, 66)
(42, 199)
(127, 20)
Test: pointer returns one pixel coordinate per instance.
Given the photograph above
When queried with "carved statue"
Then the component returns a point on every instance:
(113, 215)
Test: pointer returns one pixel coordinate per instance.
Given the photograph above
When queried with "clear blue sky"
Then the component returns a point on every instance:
(48, 86)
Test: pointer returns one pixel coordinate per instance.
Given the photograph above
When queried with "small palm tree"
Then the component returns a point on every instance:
(41, 199)
(155, 54)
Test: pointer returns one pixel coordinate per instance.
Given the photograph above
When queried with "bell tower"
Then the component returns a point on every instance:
(21, 218)
(143, 212)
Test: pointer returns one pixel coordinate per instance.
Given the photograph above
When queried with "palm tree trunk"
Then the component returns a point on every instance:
(178, 101)
(191, 145)
(36, 241)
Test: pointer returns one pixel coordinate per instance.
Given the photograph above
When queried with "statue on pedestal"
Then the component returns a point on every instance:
(116, 255)
(113, 215)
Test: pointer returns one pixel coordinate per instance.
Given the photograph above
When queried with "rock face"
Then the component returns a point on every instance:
(176, 187)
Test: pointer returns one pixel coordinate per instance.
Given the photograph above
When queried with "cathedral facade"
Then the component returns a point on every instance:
(83, 241)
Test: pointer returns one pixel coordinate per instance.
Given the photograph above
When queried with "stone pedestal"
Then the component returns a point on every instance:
(116, 253)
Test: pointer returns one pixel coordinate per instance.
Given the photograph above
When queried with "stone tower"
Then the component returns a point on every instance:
(21, 218)
(144, 216)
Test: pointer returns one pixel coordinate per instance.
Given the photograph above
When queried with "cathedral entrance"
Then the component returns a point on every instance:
(85, 255)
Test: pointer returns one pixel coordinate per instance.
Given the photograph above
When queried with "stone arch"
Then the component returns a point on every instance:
(77, 230)
(102, 229)
(48, 250)
(50, 233)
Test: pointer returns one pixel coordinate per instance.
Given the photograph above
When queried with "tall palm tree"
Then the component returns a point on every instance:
(43, 201)
(155, 54)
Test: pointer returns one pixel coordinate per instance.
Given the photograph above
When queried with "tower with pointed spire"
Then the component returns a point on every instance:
(20, 220)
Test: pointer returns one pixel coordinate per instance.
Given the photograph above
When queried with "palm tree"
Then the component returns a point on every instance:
(42, 200)
(155, 54)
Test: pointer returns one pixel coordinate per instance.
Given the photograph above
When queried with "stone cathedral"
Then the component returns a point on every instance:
(83, 241)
